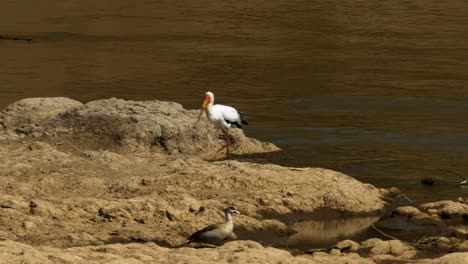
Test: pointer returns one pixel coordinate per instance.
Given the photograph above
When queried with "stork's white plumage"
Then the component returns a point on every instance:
(223, 116)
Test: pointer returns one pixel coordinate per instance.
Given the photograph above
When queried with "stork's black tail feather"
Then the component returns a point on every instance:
(242, 116)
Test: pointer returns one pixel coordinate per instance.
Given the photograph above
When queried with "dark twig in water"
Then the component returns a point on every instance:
(418, 244)
(383, 233)
(406, 197)
(456, 173)
(16, 38)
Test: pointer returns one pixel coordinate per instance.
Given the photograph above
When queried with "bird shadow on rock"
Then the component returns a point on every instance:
(135, 239)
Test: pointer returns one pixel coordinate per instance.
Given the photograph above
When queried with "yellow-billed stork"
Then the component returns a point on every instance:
(223, 116)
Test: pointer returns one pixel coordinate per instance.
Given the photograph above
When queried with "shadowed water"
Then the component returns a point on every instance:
(374, 89)
(325, 227)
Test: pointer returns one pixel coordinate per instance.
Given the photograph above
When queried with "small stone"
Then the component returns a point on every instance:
(335, 252)
(170, 215)
(381, 248)
(443, 240)
(432, 212)
(14, 204)
(410, 254)
(315, 250)
(369, 243)
(397, 247)
(444, 243)
(145, 182)
(348, 245)
(194, 208)
(29, 225)
(408, 211)
(427, 181)
(263, 202)
(394, 191)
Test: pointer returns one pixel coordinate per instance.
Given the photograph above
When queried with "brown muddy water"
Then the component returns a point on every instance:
(374, 89)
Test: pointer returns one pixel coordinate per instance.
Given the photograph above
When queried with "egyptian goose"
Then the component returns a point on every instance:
(216, 233)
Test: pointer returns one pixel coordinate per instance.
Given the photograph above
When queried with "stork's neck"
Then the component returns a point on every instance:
(228, 216)
(211, 103)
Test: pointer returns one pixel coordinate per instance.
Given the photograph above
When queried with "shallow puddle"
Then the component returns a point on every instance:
(320, 229)
(325, 227)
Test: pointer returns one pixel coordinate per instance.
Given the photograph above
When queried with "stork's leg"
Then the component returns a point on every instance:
(227, 142)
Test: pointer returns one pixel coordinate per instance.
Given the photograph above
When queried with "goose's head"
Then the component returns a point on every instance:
(231, 210)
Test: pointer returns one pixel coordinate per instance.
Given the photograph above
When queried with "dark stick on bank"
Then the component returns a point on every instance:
(406, 197)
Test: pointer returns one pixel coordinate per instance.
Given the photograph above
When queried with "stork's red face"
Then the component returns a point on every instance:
(206, 102)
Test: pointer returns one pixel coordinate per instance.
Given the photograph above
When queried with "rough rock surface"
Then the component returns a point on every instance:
(27, 116)
(231, 252)
(94, 197)
(453, 258)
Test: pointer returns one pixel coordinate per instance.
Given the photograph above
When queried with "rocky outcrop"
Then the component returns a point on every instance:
(119, 125)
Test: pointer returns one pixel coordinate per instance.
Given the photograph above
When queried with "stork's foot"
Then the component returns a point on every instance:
(222, 148)
(219, 150)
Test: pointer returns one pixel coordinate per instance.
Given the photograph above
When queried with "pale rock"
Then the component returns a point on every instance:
(397, 247)
(350, 244)
(380, 248)
(335, 252)
(369, 243)
(453, 258)
(29, 225)
(408, 211)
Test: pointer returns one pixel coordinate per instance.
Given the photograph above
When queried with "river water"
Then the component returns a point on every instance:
(374, 89)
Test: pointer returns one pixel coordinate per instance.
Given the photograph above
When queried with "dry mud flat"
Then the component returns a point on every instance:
(81, 183)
